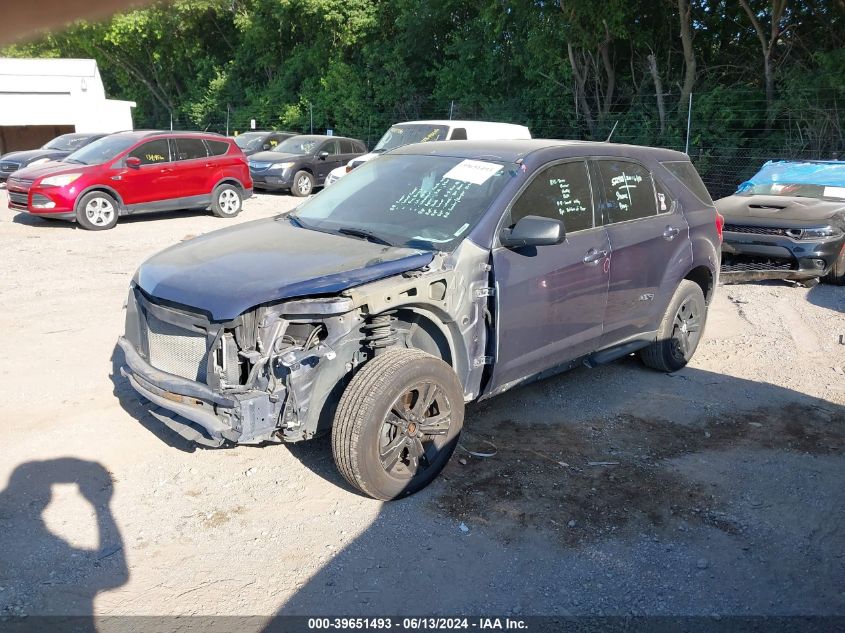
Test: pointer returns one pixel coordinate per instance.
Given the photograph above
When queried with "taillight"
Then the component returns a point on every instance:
(720, 224)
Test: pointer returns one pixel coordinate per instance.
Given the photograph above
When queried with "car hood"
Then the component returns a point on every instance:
(31, 155)
(778, 208)
(274, 157)
(230, 271)
(50, 169)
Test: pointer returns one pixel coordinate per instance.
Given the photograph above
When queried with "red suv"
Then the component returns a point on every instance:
(135, 172)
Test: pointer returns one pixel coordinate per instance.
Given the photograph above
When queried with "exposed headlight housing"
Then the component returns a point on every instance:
(61, 180)
(814, 234)
(281, 165)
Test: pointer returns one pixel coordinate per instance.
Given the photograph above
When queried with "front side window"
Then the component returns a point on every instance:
(429, 202)
(332, 147)
(628, 191)
(561, 192)
(152, 152)
(297, 145)
(189, 148)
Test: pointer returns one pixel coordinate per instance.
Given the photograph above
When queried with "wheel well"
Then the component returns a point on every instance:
(424, 334)
(105, 190)
(704, 278)
(230, 181)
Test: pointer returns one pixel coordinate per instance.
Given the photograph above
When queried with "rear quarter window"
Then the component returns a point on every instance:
(687, 174)
(217, 148)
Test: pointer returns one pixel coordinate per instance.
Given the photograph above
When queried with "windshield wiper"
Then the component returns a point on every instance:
(362, 233)
(71, 160)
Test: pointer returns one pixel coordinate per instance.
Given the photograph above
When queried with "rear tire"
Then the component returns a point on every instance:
(226, 201)
(680, 331)
(97, 211)
(836, 276)
(303, 184)
(397, 423)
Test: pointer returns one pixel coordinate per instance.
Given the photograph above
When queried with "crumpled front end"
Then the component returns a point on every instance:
(241, 381)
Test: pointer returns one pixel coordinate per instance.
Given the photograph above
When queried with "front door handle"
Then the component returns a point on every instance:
(593, 256)
(671, 233)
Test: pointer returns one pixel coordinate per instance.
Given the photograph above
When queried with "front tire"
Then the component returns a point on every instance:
(836, 276)
(97, 211)
(397, 423)
(303, 184)
(226, 201)
(680, 331)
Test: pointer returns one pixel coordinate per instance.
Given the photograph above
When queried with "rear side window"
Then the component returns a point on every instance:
(347, 147)
(217, 148)
(687, 174)
(459, 134)
(189, 148)
(561, 192)
(152, 152)
(628, 191)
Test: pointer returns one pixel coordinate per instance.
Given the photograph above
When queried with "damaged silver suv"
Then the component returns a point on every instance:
(436, 275)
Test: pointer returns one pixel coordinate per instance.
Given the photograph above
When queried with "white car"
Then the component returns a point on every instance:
(424, 131)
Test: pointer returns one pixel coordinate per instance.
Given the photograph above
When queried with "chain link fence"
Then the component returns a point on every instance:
(728, 136)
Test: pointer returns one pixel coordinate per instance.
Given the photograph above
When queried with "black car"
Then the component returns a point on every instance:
(302, 162)
(56, 149)
(787, 222)
(261, 141)
(432, 276)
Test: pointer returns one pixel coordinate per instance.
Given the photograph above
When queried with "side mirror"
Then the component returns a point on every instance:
(266, 146)
(323, 155)
(532, 230)
(133, 162)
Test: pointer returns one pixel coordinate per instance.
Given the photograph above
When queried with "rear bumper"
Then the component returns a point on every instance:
(198, 413)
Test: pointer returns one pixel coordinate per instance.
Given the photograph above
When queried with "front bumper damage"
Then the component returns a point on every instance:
(201, 415)
(748, 256)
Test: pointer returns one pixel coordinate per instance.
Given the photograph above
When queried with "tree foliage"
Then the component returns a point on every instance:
(760, 71)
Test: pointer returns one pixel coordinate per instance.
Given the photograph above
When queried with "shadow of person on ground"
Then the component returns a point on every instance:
(41, 573)
(614, 491)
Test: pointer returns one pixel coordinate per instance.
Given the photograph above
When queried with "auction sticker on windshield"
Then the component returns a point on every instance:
(474, 171)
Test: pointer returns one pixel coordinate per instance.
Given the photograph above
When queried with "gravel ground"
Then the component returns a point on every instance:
(719, 488)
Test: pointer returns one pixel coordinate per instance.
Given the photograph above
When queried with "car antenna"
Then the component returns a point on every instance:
(613, 129)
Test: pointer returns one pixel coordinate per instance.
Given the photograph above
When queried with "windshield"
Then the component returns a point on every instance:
(249, 140)
(810, 179)
(400, 135)
(101, 150)
(297, 145)
(795, 189)
(67, 142)
(429, 202)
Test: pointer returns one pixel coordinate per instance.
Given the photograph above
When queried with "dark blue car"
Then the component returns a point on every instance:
(434, 275)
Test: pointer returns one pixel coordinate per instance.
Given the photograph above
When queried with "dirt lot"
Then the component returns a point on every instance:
(719, 489)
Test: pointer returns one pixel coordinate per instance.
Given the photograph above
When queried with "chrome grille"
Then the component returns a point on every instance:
(255, 166)
(9, 166)
(756, 230)
(176, 350)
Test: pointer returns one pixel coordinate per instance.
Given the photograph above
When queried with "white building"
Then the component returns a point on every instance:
(43, 98)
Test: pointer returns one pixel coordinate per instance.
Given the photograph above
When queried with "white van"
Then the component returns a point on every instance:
(424, 131)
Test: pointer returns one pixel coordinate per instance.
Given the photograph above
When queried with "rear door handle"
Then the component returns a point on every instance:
(593, 256)
(671, 233)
